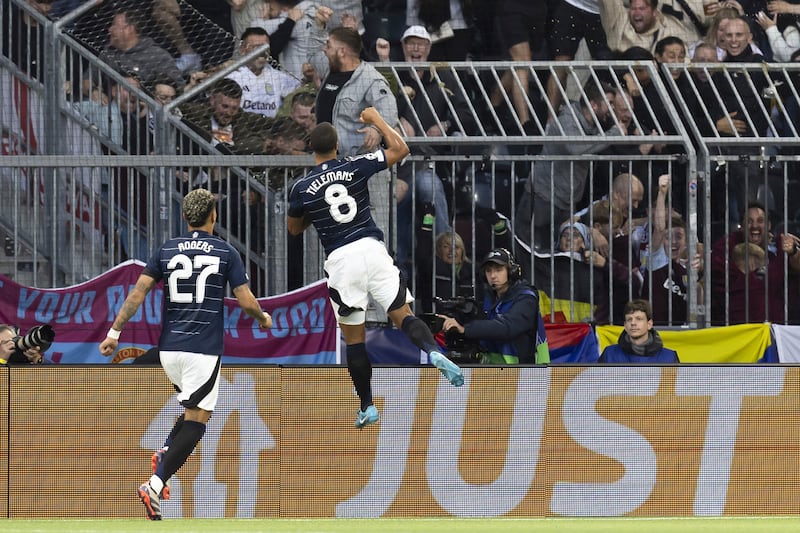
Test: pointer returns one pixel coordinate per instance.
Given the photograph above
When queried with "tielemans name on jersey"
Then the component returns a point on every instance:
(327, 178)
(195, 245)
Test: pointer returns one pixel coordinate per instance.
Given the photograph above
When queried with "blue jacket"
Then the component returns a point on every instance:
(652, 352)
(513, 331)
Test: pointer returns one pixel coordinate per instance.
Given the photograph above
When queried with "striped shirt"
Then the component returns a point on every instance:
(336, 198)
(195, 269)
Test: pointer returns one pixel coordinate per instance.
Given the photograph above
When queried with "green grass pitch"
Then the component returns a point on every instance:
(415, 525)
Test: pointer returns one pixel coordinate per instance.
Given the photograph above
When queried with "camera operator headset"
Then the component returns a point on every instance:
(513, 330)
(30, 348)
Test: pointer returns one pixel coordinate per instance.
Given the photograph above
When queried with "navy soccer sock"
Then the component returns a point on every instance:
(183, 444)
(174, 431)
(360, 372)
(419, 334)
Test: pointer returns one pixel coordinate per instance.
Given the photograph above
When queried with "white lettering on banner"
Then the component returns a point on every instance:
(209, 495)
(505, 493)
(399, 391)
(606, 438)
(726, 387)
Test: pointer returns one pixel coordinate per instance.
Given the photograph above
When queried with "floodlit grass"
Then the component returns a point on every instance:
(432, 525)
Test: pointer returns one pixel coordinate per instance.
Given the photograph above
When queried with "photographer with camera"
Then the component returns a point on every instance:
(513, 330)
(28, 349)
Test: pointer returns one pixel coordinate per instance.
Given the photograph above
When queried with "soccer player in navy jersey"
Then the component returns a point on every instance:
(196, 268)
(334, 197)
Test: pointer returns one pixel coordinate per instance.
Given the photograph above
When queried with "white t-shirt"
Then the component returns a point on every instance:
(263, 94)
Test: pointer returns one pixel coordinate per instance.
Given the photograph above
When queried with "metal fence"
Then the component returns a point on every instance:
(95, 166)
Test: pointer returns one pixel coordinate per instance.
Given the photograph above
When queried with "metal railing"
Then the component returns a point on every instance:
(95, 171)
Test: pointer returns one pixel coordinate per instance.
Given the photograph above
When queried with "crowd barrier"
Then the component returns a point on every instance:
(513, 442)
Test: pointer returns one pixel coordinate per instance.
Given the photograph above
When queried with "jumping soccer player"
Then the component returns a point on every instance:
(334, 197)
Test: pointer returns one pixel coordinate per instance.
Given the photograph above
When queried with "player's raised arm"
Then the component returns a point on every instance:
(396, 147)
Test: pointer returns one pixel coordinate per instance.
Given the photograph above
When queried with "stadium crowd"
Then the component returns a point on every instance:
(312, 61)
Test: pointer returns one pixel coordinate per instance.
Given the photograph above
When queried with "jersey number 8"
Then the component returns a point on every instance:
(336, 196)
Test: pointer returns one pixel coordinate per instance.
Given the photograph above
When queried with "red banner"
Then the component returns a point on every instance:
(304, 328)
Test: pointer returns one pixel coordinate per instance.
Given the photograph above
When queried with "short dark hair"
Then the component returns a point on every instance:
(667, 41)
(324, 138)
(638, 305)
(227, 87)
(132, 17)
(636, 53)
(254, 30)
(595, 92)
(348, 37)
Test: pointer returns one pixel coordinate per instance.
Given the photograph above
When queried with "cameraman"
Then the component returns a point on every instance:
(10, 354)
(513, 330)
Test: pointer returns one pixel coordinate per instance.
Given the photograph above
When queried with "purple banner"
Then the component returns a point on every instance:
(304, 328)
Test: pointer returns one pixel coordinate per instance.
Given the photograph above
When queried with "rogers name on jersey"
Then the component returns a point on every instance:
(195, 245)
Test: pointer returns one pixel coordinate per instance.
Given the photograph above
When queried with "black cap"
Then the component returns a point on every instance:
(499, 256)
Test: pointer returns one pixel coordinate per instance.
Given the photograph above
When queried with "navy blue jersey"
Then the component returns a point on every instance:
(336, 198)
(195, 268)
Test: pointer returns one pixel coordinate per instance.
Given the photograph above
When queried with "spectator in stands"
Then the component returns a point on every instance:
(512, 331)
(288, 138)
(132, 54)
(738, 112)
(627, 192)
(450, 24)
(701, 80)
(522, 25)
(163, 92)
(244, 12)
(572, 276)
(353, 85)
(556, 187)
(623, 109)
(782, 43)
(749, 257)
(263, 87)
(167, 14)
(665, 263)
(639, 342)
(571, 21)
(755, 296)
(642, 24)
(428, 106)
(622, 259)
(224, 124)
(95, 107)
(302, 110)
(133, 116)
(298, 30)
(715, 35)
(447, 273)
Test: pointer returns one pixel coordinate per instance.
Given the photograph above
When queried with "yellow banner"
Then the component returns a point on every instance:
(743, 343)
